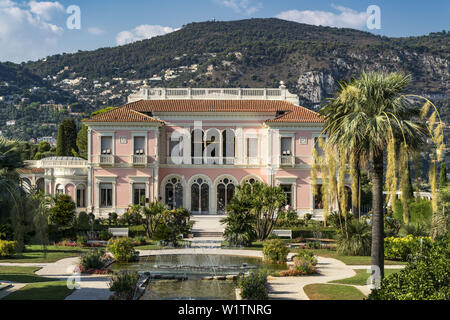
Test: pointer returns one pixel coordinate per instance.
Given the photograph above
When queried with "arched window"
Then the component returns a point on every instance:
(174, 193)
(197, 146)
(200, 196)
(228, 146)
(60, 189)
(225, 192)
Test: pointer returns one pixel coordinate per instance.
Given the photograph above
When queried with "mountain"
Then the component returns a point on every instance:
(261, 52)
(246, 53)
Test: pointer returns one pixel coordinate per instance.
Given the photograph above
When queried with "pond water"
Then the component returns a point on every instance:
(194, 267)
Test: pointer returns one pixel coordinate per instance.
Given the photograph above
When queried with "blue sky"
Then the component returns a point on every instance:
(31, 30)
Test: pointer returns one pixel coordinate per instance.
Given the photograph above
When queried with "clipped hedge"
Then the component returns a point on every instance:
(404, 248)
(275, 251)
(327, 233)
(254, 287)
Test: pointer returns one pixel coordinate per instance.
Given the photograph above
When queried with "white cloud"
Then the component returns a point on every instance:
(142, 32)
(96, 31)
(25, 32)
(45, 9)
(344, 18)
(241, 6)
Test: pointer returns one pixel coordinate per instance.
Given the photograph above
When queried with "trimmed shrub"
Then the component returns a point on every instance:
(254, 287)
(404, 248)
(124, 285)
(7, 248)
(275, 251)
(122, 249)
(83, 221)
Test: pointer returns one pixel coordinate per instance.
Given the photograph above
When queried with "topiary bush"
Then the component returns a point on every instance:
(404, 248)
(7, 248)
(122, 249)
(426, 277)
(275, 251)
(307, 256)
(254, 287)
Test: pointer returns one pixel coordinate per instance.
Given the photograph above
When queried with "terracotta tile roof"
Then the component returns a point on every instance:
(31, 170)
(300, 114)
(209, 106)
(122, 114)
(134, 112)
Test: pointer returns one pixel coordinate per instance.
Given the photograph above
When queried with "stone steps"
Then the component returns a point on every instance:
(207, 234)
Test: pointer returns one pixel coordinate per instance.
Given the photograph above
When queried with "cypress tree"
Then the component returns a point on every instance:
(67, 138)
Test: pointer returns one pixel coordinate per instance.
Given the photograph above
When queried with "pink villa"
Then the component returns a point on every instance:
(188, 147)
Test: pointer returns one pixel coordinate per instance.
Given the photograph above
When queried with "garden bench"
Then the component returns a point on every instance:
(283, 233)
(118, 232)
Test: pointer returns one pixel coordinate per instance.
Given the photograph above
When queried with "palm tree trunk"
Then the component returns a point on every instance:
(356, 207)
(377, 213)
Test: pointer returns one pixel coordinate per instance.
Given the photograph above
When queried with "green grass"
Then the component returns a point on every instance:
(360, 279)
(323, 291)
(21, 275)
(351, 260)
(35, 254)
(55, 290)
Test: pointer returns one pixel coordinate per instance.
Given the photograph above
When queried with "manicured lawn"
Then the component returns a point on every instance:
(322, 291)
(55, 290)
(351, 260)
(360, 279)
(35, 254)
(21, 275)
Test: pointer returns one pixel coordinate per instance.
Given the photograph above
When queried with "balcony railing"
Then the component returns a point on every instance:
(139, 160)
(287, 161)
(106, 159)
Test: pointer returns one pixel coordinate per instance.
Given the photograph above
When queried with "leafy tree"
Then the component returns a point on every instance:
(363, 117)
(240, 222)
(62, 213)
(267, 203)
(67, 136)
(152, 217)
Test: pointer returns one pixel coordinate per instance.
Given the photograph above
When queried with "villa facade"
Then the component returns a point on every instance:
(190, 148)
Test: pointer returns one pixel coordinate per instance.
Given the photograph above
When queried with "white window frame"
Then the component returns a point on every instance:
(98, 182)
(139, 180)
(139, 134)
(113, 142)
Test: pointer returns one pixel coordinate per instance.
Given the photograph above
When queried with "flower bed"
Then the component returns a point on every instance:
(94, 271)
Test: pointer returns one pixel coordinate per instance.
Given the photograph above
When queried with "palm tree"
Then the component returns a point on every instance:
(364, 117)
